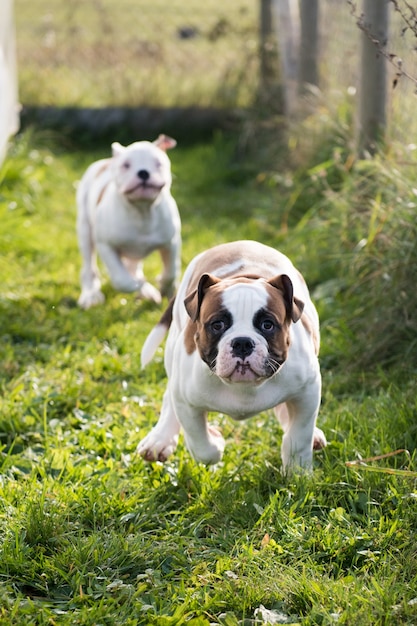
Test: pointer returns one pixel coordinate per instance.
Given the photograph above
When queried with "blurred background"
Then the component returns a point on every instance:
(190, 54)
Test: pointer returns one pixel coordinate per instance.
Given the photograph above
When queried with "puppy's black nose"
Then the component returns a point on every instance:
(143, 175)
(242, 347)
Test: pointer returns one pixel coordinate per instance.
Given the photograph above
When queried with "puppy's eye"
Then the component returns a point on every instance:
(267, 326)
(266, 322)
(218, 326)
(126, 165)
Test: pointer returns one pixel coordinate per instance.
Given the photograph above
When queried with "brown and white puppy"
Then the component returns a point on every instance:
(125, 212)
(243, 338)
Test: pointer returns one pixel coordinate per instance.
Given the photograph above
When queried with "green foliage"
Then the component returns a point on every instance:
(90, 534)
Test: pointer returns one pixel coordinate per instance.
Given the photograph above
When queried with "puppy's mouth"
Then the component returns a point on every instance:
(144, 189)
(245, 371)
(242, 372)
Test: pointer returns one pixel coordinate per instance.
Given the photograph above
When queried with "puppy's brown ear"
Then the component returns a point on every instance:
(297, 309)
(165, 143)
(193, 301)
(294, 306)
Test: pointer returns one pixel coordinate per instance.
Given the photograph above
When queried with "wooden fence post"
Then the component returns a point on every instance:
(271, 90)
(308, 73)
(265, 41)
(373, 75)
(286, 18)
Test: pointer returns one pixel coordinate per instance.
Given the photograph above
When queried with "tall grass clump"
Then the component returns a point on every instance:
(379, 289)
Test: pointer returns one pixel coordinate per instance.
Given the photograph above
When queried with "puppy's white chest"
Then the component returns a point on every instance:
(237, 401)
(132, 231)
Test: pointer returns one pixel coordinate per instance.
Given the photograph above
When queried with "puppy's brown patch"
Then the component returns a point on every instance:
(212, 310)
(103, 168)
(195, 331)
(101, 194)
(279, 341)
(189, 334)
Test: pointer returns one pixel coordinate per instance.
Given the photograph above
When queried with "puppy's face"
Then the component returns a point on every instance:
(142, 169)
(241, 326)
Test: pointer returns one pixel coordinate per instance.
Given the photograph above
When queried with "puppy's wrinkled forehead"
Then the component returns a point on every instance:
(140, 155)
(146, 152)
(243, 298)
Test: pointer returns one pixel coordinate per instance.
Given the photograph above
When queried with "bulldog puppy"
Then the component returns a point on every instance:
(125, 212)
(243, 338)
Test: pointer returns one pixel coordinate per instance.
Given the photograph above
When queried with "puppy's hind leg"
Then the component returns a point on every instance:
(145, 290)
(281, 412)
(301, 435)
(90, 278)
(91, 293)
(171, 259)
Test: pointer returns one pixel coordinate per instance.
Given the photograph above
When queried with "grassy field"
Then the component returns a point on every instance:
(129, 53)
(90, 534)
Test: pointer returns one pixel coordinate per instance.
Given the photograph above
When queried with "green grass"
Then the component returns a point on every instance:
(90, 534)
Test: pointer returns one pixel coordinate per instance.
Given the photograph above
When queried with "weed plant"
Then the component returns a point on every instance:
(90, 533)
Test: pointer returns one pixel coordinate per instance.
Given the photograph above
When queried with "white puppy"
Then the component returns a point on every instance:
(125, 212)
(244, 338)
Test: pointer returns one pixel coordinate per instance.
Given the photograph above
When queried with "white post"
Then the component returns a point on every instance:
(9, 111)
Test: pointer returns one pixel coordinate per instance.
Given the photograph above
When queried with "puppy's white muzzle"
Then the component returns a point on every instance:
(242, 358)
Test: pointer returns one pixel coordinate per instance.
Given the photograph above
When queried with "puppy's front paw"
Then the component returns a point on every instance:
(149, 292)
(91, 298)
(157, 447)
(319, 439)
(211, 452)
